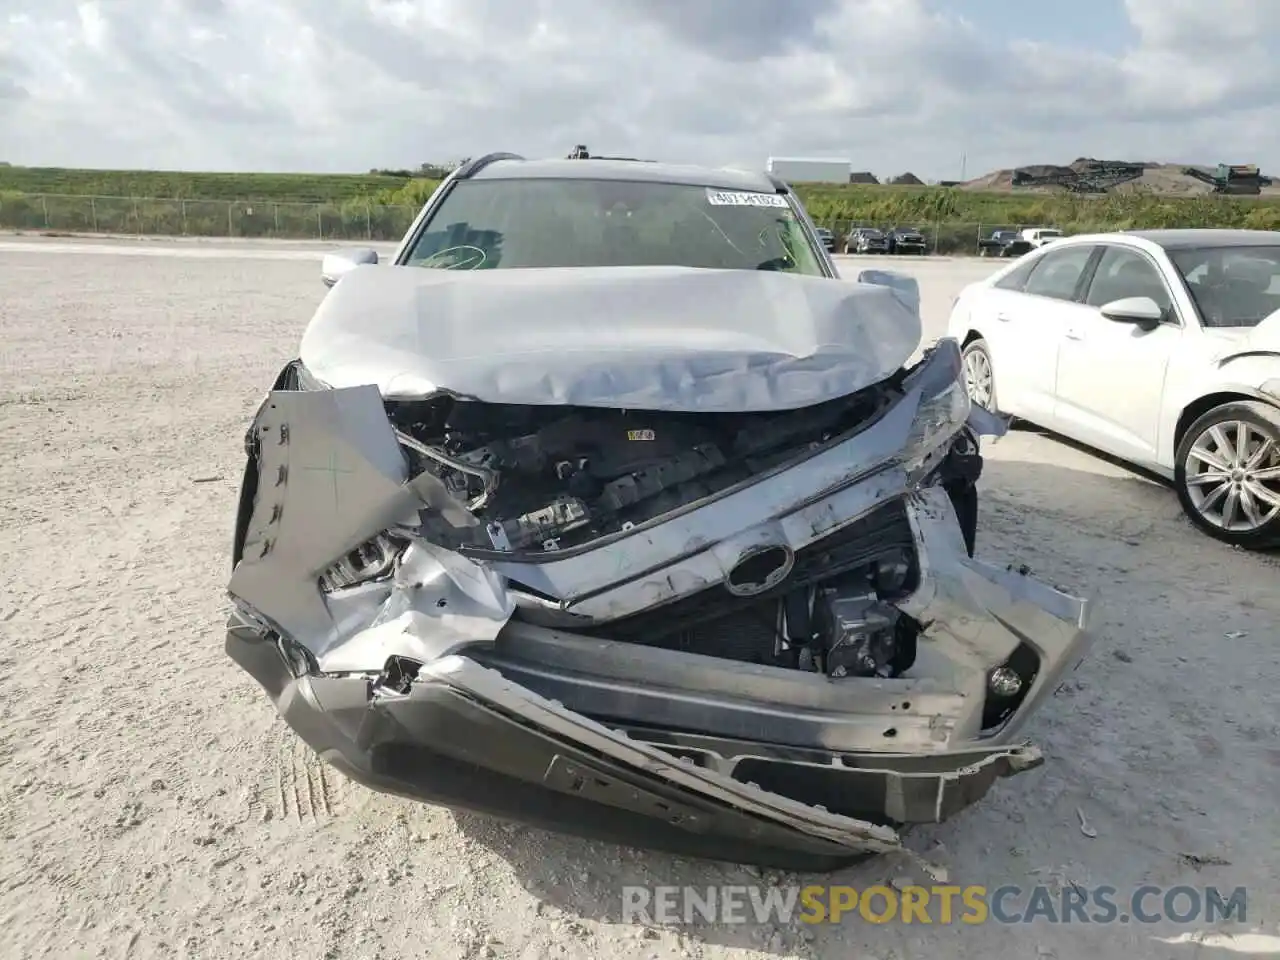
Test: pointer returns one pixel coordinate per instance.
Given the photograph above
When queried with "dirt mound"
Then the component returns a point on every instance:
(1169, 179)
(863, 176)
(995, 180)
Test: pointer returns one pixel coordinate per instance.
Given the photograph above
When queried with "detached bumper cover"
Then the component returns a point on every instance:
(465, 737)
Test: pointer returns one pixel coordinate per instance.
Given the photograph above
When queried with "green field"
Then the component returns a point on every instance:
(379, 207)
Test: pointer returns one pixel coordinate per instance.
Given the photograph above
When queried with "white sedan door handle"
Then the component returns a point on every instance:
(1074, 334)
(1003, 317)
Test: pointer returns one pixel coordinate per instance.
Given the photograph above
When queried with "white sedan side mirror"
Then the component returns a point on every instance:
(1142, 312)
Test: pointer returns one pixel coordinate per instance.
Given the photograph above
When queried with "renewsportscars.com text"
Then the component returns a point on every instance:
(939, 904)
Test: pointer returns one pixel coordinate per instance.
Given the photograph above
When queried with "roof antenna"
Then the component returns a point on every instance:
(580, 153)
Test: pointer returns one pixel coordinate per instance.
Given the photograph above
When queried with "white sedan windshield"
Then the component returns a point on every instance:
(1231, 286)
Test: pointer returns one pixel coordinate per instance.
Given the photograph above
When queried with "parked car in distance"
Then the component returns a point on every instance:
(866, 240)
(827, 237)
(1161, 348)
(1004, 243)
(907, 240)
(1039, 236)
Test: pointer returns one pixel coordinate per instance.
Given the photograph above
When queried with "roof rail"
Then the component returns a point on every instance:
(472, 167)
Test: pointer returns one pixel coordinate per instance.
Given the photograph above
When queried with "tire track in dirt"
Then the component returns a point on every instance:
(299, 788)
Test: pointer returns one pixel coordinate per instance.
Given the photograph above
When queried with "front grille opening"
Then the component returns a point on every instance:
(715, 622)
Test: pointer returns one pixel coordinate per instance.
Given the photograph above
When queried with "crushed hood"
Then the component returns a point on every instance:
(642, 338)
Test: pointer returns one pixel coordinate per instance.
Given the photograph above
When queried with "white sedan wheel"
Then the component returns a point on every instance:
(1228, 473)
(979, 375)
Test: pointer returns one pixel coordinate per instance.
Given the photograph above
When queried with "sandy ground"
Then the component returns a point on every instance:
(152, 805)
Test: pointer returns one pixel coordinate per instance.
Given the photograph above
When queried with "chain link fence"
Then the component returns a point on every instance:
(349, 220)
(150, 216)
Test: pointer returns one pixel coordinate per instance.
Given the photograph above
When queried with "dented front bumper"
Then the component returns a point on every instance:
(423, 684)
(467, 738)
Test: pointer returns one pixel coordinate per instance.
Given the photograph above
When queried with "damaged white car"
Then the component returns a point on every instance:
(635, 521)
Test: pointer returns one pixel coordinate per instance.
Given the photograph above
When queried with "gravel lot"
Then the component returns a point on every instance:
(151, 804)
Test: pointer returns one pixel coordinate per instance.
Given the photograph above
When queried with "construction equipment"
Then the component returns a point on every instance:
(1242, 179)
(1095, 176)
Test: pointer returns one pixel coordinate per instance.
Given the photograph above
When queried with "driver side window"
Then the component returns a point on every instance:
(1016, 278)
(1058, 272)
(1124, 273)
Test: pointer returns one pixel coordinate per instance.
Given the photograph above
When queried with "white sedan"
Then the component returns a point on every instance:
(1161, 348)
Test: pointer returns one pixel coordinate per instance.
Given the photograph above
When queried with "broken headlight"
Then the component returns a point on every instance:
(372, 560)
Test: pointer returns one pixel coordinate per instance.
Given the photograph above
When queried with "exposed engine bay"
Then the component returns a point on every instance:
(541, 480)
(545, 479)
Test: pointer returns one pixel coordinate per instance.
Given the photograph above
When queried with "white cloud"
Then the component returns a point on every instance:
(352, 84)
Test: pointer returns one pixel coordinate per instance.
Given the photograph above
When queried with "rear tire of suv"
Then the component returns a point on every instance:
(1227, 474)
(979, 375)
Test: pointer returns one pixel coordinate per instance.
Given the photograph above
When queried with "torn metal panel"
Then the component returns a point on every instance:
(641, 338)
(977, 614)
(345, 480)
(331, 476)
(987, 424)
(688, 551)
(974, 615)
(435, 604)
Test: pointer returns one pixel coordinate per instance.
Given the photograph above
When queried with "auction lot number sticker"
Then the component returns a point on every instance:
(738, 198)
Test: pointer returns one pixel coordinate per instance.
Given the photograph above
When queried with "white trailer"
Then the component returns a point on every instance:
(810, 170)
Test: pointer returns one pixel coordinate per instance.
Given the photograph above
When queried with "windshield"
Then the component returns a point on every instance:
(506, 224)
(1231, 286)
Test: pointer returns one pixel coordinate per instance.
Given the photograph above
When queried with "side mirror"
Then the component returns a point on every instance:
(338, 264)
(1143, 312)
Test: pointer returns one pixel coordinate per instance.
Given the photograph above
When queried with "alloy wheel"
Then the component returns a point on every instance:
(978, 377)
(1233, 476)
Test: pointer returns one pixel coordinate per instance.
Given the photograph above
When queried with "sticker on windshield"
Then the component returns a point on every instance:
(740, 198)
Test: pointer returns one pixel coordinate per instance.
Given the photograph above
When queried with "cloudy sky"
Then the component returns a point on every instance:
(894, 85)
